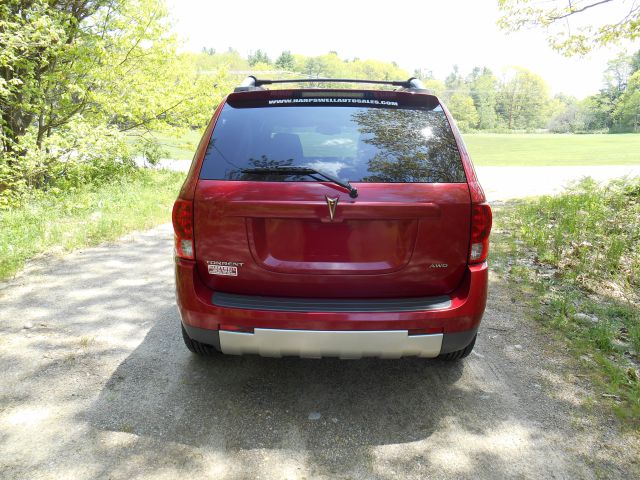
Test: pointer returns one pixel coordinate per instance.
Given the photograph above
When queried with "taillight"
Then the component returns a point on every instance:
(480, 229)
(183, 228)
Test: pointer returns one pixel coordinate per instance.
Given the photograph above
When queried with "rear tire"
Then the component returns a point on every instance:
(459, 354)
(197, 347)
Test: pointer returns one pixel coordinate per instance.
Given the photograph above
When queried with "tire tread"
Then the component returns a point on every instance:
(459, 354)
(197, 347)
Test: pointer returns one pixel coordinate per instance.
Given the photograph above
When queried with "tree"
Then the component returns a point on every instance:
(598, 110)
(314, 67)
(228, 59)
(563, 112)
(258, 57)
(617, 74)
(627, 111)
(74, 74)
(454, 82)
(635, 62)
(483, 87)
(286, 61)
(463, 110)
(436, 86)
(44, 64)
(423, 73)
(521, 100)
(574, 27)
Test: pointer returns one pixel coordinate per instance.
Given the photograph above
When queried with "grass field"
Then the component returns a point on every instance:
(85, 216)
(499, 150)
(502, 150)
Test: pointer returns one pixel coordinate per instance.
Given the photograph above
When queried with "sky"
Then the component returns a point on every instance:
(432, 35)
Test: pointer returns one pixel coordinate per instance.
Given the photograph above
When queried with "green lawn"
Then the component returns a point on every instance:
(553, 149)
(488, 149)
(85, 216)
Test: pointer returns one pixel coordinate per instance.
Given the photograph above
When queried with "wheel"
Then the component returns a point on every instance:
(459, 354)
(197, 347)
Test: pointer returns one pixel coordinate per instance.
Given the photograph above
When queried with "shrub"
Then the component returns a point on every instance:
(81, 154)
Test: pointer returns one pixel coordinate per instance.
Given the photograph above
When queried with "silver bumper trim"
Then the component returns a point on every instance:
(319, 343)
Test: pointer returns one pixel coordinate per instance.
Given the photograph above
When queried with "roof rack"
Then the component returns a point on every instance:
(252, 83)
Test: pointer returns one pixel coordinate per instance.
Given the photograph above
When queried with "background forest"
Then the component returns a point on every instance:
(87, 85)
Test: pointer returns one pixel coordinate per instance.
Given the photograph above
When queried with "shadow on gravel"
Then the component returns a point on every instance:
(239, 404)
(253, 402)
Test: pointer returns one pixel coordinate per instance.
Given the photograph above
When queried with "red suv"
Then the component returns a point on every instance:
(331, 222)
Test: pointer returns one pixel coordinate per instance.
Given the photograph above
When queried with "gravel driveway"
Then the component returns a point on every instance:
(97, 384)
(504, 183)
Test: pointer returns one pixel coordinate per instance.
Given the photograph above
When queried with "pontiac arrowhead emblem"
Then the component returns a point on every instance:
(331, 203)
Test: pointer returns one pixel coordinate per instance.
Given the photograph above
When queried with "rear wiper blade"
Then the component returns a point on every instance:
(299, 170)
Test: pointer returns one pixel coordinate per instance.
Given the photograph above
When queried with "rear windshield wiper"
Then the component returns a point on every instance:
(299, 170)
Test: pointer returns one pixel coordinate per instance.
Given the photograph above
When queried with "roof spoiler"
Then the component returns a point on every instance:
(252, 83)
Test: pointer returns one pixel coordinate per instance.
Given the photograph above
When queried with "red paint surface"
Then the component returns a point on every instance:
(465, 313)
(379, 245)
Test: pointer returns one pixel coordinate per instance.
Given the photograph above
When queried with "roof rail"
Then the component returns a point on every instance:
(251, 83)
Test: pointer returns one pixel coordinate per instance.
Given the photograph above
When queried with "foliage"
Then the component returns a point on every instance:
(285, 61)
(483, 89)
(43, 67)
(436, 86)
(580, 252)
(564, 115)
(73, 74)
(574, 27)
(78, 155)
(464, 111)
(174, 145)
(521, 100)
(258, 57)
(455, 83)
(627, 111)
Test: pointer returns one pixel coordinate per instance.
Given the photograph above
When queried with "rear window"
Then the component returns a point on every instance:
(359, 143)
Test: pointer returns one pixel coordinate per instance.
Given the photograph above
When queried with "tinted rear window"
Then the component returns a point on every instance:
(356, 143)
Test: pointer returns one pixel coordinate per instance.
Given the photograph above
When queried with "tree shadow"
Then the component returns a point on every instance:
(250, 402)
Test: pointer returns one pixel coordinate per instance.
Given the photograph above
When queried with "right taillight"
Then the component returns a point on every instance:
(182, 218)
(480, 229)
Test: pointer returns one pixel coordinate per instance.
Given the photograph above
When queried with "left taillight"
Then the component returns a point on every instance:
(182, 218)
(481, 219)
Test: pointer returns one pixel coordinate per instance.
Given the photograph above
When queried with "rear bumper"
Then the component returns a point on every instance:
(332, 333)
(323, 343)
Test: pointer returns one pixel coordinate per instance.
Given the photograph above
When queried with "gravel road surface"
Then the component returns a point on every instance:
(96, 383)
(504, 183)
